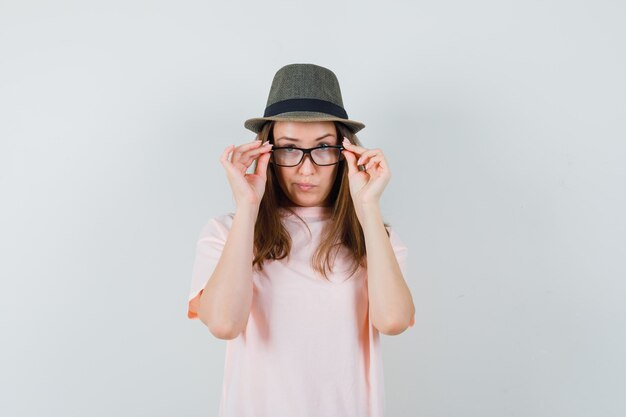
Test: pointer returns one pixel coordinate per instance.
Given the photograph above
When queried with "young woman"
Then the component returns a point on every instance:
(304, 275)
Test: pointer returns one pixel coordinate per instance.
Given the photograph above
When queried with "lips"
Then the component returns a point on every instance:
(305, 186)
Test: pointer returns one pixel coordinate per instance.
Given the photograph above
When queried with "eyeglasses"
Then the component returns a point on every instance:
(323, 155)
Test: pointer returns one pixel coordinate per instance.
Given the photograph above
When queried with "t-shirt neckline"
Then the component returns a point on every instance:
(311, 212)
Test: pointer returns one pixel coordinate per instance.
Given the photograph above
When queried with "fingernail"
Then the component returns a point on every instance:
(345, 139)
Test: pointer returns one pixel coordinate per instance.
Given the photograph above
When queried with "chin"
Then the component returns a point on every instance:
(310, 201)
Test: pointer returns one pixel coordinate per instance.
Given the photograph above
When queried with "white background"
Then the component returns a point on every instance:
(502, 121)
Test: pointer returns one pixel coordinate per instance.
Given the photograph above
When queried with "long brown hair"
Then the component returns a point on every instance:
(271, 239)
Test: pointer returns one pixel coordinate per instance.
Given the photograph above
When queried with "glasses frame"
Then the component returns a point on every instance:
(307, 151)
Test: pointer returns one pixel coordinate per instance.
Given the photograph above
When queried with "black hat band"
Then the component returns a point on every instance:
(305, 104)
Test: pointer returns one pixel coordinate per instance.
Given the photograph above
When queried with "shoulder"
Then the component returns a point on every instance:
(395, 239)
(218, 225)
(391, 230)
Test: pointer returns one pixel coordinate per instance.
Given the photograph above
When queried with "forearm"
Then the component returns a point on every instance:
(390, 300)
(225, 303)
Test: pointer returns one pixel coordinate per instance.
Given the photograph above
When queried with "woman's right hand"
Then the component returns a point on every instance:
(247, 188)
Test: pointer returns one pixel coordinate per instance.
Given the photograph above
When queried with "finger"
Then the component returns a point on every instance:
(233, 166)
(239, 150)
(227, 159)
(384, 164)
(372, 157)
(352, 147)
(374, 160)
(350, 161)
(247, 157)
(228, 165)
(358, 167)
(224, 156)
(379, 167)
(248, 145)
(365, 156)
(363, 153)
(261, 165)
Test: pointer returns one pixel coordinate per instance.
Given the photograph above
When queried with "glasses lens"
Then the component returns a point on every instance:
(287, 156)
(292, 157)
(326, 156)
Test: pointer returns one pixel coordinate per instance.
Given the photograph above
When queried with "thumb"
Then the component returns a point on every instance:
(261, 166)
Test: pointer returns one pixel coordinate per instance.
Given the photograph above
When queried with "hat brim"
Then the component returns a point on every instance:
(255, 124)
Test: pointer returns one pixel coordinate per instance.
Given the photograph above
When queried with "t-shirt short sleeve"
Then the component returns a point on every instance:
(401, 251)
(209, 249)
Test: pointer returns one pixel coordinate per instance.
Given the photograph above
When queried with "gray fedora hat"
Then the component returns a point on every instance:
(304, 93)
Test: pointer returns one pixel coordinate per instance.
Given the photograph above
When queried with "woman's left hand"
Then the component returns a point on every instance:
(366, 186)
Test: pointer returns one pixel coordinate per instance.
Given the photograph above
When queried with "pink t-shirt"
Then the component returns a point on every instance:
(309, 348)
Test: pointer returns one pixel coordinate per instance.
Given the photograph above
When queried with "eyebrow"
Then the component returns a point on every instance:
(297, 140)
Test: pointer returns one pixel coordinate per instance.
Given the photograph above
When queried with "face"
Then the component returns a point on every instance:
(322, 178)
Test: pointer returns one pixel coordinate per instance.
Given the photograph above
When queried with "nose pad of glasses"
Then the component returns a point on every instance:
(305, 156)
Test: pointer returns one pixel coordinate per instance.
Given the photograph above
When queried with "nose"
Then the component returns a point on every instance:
(307, 165)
